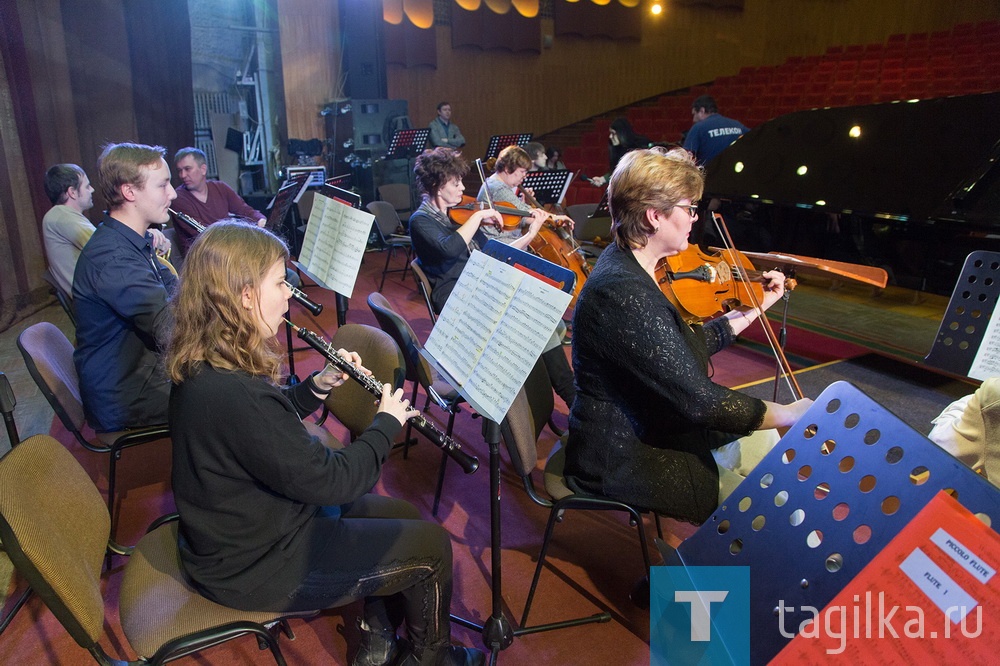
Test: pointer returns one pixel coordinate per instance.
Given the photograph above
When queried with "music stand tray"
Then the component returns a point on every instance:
(501, 141)
(344, 181)
(407, 143)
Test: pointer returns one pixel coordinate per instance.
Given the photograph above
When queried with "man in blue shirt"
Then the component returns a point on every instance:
(712, 132)
(121, 293)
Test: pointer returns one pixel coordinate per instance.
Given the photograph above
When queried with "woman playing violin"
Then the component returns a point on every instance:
(511, 167)
(444, 247)
(648, 420)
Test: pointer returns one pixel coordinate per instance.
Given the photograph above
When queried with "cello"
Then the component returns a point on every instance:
(553, 242)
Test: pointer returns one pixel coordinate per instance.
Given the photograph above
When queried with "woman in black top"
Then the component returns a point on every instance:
(270, 519)
(647, 417)
(622, 139)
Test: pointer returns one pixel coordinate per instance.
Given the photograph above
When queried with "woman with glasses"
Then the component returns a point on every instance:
(648, 422)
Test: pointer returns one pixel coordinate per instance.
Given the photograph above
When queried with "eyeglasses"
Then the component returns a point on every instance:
(692, 209)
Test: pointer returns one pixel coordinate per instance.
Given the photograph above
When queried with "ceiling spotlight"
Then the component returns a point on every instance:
(656, 9)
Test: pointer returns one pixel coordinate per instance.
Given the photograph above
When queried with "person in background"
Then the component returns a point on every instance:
(536, 153)
(65, 229)
(444, 133)
(554, 159)
(711, 132)
(621, 140)
(270, 519)
(207, 201)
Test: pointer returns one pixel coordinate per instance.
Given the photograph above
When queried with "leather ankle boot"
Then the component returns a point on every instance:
(379, 647)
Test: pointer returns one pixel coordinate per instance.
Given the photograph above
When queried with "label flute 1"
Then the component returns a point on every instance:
(467, 462)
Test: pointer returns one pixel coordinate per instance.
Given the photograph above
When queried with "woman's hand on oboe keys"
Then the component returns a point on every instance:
(331, 377)
(394, 404)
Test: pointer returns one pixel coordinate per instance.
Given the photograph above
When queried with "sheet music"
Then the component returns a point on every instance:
(334, 243)
(492, 330)
(987, 361)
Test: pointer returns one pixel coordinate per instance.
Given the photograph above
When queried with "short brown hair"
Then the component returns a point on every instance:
(125, 164)
(197, 153)
(59, 179)
(649, 178)
(210, 323)
(511, 159)
(434, 168)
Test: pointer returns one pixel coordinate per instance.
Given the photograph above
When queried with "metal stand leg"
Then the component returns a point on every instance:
(497, 631)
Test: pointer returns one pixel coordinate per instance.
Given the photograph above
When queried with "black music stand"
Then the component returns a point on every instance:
(549, 186)
(343, 181)
(972, 306)
(496, 630)
(501, 141)
(407, 143)
(602, 209)
(847, 452)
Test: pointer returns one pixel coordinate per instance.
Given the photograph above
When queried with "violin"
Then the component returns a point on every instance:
(460, 213)
(702, 284)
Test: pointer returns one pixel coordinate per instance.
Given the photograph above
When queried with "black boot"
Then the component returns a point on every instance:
(379, 647)
(445, 655)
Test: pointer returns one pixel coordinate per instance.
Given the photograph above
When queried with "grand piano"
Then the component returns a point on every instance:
(910, 186)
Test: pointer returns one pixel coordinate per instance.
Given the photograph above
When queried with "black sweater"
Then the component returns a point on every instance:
(248, 477)
(646, 415)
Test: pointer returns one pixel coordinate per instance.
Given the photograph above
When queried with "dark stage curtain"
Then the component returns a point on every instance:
(408, 45)
(77, 74)
(715, 4)
(585, 19)
(159, 39)
(487, 30)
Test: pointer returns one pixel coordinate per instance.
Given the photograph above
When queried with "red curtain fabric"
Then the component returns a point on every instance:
(408, 45)
(486, 30)
(585, 19)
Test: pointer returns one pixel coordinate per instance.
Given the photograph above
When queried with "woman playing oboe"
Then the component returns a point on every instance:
(270, 519)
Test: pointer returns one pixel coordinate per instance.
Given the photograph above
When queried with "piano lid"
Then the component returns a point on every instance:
(919, 160)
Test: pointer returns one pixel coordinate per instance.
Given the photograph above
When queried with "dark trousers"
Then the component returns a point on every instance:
(380, 550)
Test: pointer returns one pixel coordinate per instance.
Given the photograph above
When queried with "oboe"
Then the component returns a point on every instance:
(299, 295)
(467, 462)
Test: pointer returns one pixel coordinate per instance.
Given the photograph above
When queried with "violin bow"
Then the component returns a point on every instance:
(486, 189)
(772, 339)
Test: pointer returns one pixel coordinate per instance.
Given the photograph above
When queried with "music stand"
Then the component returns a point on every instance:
(343, 181)
(549, 186)
(496, 630)
(501, 141)
(602, 209)
(971, 309)
(347, 198)
(407, 143)
(831, 494)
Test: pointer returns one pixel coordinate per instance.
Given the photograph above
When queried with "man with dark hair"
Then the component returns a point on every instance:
(206, 201)
(536, 153)
(121, 294)
(65, 229)
(445, 133)
(712, 132)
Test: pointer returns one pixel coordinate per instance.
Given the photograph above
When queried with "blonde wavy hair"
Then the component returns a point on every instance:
(210, 323)
(650, 178)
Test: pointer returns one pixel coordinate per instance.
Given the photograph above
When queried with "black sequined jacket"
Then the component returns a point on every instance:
(647, 415)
